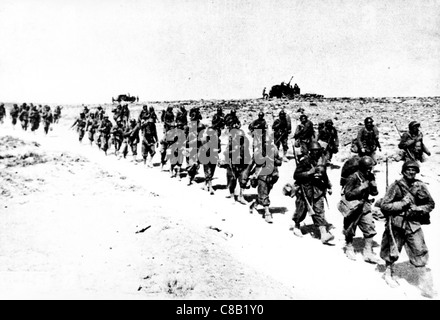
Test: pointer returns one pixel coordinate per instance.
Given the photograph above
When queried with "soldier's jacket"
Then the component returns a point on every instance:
(2, 111)
(268, 170)
(24, 115)
(315, 186)
(168, 120)
(34, 116)
(149, 132)
(280, 127)
(353, 190)
(330, 137)
(181, 119)
(350, 166)
(258, 124)
(305, 132)
(143, 115)
(14, 112)
(131, 134)
(237, 150)
(80, 123)
(105, 127)
(393, 204)
(218, 122)
(47, 117)
(118, 132)
(368, 139)
(413, 143)
(92, 125)
(232, 121)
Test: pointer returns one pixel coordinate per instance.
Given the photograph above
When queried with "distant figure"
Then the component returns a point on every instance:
(218, 124)
(47, 119)
(2, 112)
(368, 139)
(34, 119)
(304, 134)
(282, 127)
(328, 138)
(265, 95)
(412, 143)
(92, 126)
(232, 121)
(14, 113)
(57, 114)
(105, 130)
(24, 117)
(80, 124)
(150, 141)
(258, 129)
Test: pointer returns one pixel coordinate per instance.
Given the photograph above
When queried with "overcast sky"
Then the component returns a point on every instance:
(73, 51)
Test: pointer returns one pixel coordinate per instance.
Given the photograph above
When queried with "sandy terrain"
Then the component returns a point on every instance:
(75, 223)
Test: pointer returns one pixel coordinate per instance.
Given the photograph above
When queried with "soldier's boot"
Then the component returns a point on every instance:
(252, 207)
(389, 277)
(349, 251)
(240, 198)
(426, 283)
(210, 188)
(368, 253)
(150, 163)
(178, 175)
(134, 158)
(230, 196)
(267, 215)
(297, 231)
(285, 156)
(326, 236)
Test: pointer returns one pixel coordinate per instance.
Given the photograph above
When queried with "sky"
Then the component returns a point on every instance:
(88, 51)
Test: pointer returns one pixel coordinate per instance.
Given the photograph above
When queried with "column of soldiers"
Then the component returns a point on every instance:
(406, 204)
(30, 116)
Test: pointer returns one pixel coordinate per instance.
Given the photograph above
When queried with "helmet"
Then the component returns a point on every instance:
(303, 116)
(328, 122)
(132, 120)
(413, 124)
(282, 113)
(315, 146)
(411, 164)
(366, 162)
(261, 114)
(368, 120)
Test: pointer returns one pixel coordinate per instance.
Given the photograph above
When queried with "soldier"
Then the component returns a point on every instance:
(259, 137)
(218, 124)
(359, 186)
(304, 134)
(194, 114)
(34, 118)
(47, 118)
(282, 128)
(311, 177)
(80, 124)
(328, 138)
(117, 133)
(2, 112)
(57, 114)
(265, 174)
(265, 95)
(15, 112)
(349, 167)
(24, 116)
(149, 140)
(92, 126)
(368, 139)
(208, 153)
(105, 129)
(117, 113)
(152, 114)
(193, 144)
(182, 119)
(412, 143)
(237, 159)
(407, 204)
(131, 139)
(168, 124)
(125, 114)
(231, 120)
(99, 113)
(144, 114)
(86, 110)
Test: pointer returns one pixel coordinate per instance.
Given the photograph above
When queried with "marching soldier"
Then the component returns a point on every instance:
(131, 139)
(237, 158)
(105, 129)
(412, 143)
(144, 114)
(149, 140)
(208, 155)
(57, 114)
(304, 134)
(328, 136)
(368, 139)
(231, 120)
(80, 124)
(15, 112)
(265, 174)
(2, 112)
(117, 133)
(359, 186)
(47, 118)
(218, 124)
(168, 124)
(34, 118)
(92, 126)
(407, 204)
(282, 128)
(311, 177)
(258, 129)
(24, 116)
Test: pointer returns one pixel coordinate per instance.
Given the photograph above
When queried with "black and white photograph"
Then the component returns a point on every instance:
(219, 150)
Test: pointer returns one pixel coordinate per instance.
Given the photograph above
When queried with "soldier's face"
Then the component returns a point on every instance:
(410, 173)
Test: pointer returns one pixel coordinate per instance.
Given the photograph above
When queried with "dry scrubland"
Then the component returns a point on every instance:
(74, 223)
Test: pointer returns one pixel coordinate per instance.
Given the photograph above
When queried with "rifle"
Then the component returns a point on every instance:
(309, 207)
(406, 150)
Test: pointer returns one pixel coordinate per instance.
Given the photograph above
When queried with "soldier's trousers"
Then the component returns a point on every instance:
(414, 243)
(46, 127)
(265, 185)
(301, 211)
(35, 125)
(91, 135)
(104, 142)
(363, 220)
(148, 149)
(14, 121)
(24, 124)
(132, 145)
(81, 134)
(209, 170)
(282, 142)
(233, 175)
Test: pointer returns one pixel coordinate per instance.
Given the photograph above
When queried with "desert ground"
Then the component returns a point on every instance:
(77, 224)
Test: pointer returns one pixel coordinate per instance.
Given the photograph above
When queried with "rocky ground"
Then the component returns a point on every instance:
(75, 223)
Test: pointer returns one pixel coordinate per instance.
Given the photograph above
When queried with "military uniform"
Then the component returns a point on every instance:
(2, 112)
(329, 135)
(282, 128)
(304, 134)
(368, 139)
(149, 140)
(412, 143)
(15, 112)
(47, 119)
(131, 139)
(105, 130)
(34, 119)
(24, 117)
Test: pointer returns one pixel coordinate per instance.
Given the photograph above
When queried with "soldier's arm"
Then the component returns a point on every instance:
(354, 188)
(393, 201)
(406, 141)
(303, 171)
(430, 205)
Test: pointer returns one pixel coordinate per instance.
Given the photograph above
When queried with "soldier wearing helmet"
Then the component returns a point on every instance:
(304, 134)
(231, 120)
(368, 139)
(282, 127)
(47, 119)
(218, 123)
(360, 185)
(258, 130)
(117, 133)
(131, 139)
(2, 112)
(328, 138)
(15, 112)
(411, 143)
(105, 129)
(313, 182)
(80, 124)
(92, 126)
(407, 204)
